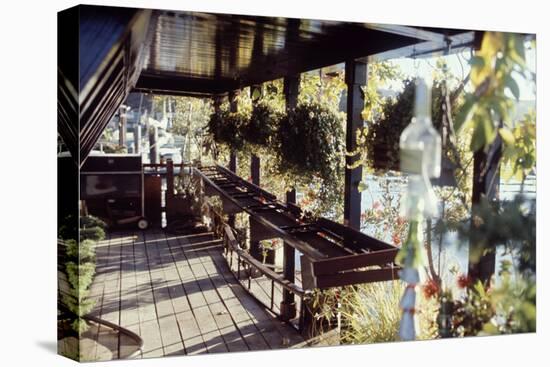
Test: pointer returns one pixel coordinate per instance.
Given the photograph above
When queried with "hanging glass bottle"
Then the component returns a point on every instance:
(420, 150)
(420, 157)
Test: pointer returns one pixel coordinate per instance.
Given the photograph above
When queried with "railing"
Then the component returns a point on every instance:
(247, 264)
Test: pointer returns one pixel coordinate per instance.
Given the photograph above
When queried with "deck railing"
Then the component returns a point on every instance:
(248, 267)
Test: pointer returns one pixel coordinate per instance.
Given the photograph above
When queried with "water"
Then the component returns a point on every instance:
(454, 251)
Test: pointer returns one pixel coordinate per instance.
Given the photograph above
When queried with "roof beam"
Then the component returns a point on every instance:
(431, 48)
(407, 31)
(174, 85)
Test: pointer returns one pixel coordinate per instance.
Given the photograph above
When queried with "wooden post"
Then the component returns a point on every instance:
(169, 194)
(481, 261)
(122, 126)
(169, 179)
(255, 249)
(137, 138)
(233, 107)
(356, 77)
(153, 149)
(288, 304)
(255, 160)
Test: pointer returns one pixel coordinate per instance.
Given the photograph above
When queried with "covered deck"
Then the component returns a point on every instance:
(179, 295)
(210, 292)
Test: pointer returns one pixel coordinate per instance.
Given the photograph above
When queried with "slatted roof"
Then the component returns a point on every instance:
(119, 50)
(204, 53)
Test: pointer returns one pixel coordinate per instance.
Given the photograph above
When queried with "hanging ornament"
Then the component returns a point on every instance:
(420, 158)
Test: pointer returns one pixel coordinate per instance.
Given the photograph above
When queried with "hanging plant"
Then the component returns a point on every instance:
(259, 133)
(310, 148)
(381, 138)
(226, 127)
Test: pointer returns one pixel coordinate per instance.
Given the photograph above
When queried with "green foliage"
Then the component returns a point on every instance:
(495, 68)
(80, 254)
(92, 228)
(226, 128)
(510, 223)
(514, 302)
(316, 87)
(379, 141)
(519, 153)
(89, 221)
(379, 74)
(311, 149)
(93, 233)
(472, 311)
(261, 129)
(190, 116)
(80, 270)
(370, 313)
(111, 148)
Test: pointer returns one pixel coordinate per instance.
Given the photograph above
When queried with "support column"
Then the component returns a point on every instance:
(255, 94)
(233, 107)
(255, 249)
(216, 102)
(153, 149)
(288, 304)
(356, 77)
(137, 139)
(122, 126)
(486, 183)
(169, 178)
(169, 194)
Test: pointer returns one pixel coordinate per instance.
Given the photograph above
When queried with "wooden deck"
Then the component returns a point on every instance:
(179, 295)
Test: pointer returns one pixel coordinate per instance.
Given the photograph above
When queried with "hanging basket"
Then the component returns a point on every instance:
(385, 157)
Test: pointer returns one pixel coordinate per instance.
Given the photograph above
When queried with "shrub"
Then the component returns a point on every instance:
(80, 270)
(93, 233)
(371, 313)
(91, 221)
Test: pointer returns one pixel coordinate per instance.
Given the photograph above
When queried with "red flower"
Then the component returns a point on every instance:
(430, 289)
(400, 221)
(463, 281)
(396, 239)
(376, 205)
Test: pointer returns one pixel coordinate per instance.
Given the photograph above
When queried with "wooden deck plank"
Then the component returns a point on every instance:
(276, 333)
(226, 327)
(192, 337)
(178, 293)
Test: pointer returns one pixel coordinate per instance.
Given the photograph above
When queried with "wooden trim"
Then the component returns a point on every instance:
(259, 265)
(353, 238)
(302, 246)
(334, 265)
(355, 277)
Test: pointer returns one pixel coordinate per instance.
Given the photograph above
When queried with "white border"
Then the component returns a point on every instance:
(28, 181)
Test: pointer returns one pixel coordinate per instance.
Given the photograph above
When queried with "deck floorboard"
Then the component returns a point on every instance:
(179, 295)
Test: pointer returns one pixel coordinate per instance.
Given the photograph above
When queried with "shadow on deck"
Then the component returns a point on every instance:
(179, 295)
